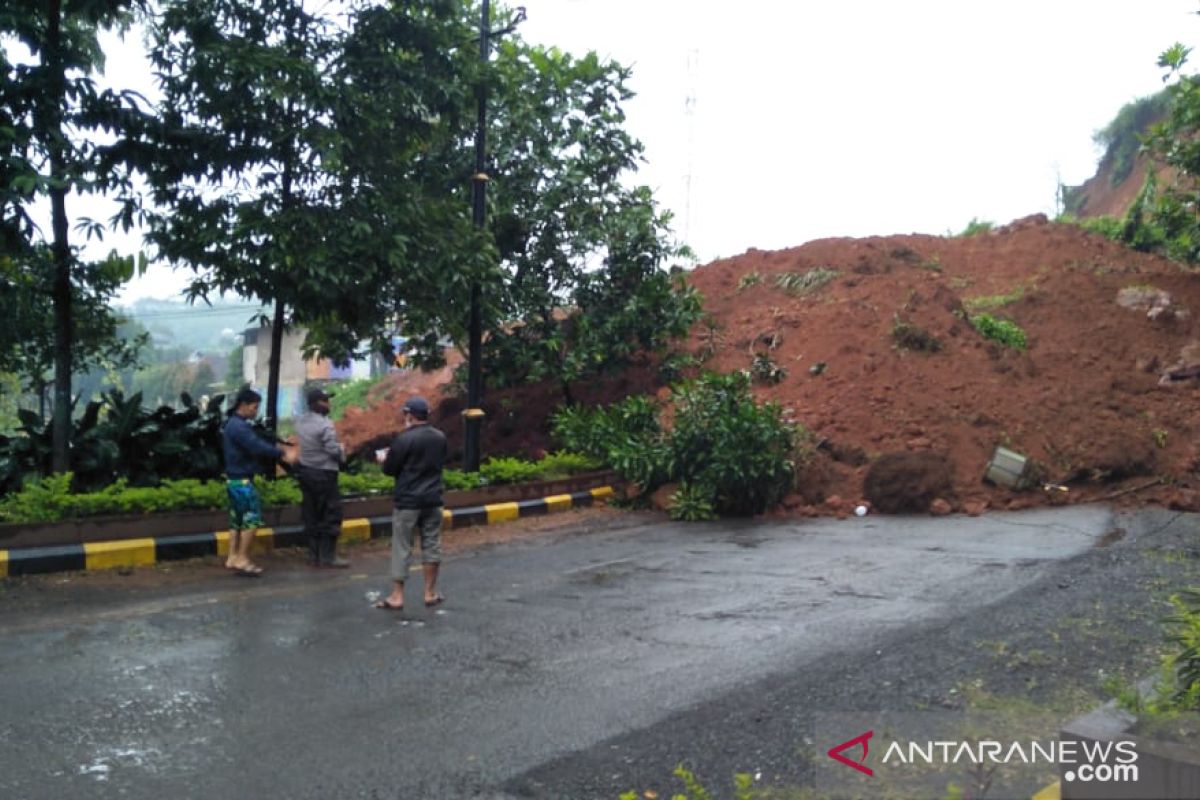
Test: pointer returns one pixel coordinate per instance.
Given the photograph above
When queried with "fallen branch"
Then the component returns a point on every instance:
(1132, 489)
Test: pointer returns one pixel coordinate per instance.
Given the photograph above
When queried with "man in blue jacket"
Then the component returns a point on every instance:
(416, 459)
(245, 455)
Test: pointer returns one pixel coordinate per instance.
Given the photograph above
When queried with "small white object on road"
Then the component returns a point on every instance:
(861, 511)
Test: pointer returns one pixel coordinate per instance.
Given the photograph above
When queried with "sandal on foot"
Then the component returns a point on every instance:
(386, 606)
(437, 601)
(253, 571)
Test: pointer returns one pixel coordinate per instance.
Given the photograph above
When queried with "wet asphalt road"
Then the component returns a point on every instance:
(547, 653)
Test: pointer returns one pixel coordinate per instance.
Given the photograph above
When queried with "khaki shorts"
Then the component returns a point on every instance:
(406, 523)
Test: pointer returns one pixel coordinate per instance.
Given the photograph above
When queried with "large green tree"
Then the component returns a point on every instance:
(243, 162)
(585, 253)
(573, 261)
(60, 135)
(404, 239)
(28, 338)
(328, 169)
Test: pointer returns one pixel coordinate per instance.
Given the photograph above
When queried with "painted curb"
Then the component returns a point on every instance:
(146, 552)
(1051, 792)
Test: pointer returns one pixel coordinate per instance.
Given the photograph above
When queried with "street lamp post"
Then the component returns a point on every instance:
(474, 414)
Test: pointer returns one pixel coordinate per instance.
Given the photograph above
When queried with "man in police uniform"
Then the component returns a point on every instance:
(321, 456)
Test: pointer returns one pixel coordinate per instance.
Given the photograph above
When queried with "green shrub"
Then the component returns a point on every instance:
(564, 465)
(457, 480)
(644, 462)
(1004, 331)
(729, 451)
(674, 366)
(352, 394)
(764, 370)
(1108, 227)
(802, 283)
(977, 226)
(509, 470)
(116, 437)
(594, 432)
(692, 504)
(1176, 690)
(722, 440)
(52, 499)
(743, 787)
(369, 481)
(1183, 631)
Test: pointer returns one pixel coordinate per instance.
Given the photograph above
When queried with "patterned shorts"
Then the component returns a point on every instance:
(245, 510)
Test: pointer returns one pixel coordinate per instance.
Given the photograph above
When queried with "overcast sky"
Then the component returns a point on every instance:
(854, 118)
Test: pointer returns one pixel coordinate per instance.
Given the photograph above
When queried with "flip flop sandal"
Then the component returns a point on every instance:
(248, 572)
(386, 606)
(437, 601)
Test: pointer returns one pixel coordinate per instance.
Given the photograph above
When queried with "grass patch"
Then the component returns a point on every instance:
(977, 226)
(804, 283)
(994, 301)
(748, 280)
(1004, 331)
(351, 394)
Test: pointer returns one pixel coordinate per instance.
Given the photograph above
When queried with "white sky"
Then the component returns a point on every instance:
(852, 118)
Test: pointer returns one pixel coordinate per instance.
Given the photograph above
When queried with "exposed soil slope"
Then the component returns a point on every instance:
(1100, 196)
(1084, 400)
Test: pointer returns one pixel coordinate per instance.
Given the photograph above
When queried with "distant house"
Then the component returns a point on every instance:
(295, 372)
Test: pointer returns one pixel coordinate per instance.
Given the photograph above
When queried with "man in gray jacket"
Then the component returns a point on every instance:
(321, 456)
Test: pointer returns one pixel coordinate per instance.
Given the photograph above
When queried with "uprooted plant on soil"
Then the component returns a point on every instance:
(725, 453)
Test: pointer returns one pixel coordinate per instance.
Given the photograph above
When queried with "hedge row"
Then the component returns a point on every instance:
(50, 499)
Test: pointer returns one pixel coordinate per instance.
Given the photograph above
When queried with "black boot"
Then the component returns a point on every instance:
(329, 557)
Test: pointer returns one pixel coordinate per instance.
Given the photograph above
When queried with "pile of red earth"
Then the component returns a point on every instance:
(1102, 398)
(517, 420)
(881, 361)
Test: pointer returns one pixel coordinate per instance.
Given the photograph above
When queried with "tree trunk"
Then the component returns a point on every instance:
(286, 201)
(61, 249)
(273, 365)
(40, 388)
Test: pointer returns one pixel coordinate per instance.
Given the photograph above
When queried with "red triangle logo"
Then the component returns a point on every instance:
(836, 753)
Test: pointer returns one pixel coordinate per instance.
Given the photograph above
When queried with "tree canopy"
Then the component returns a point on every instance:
(573, 261)
(319, 158)
(60, 134)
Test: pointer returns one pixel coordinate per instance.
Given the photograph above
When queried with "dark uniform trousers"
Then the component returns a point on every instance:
(321, 510)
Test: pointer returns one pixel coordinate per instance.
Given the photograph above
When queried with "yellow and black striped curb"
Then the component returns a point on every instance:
(144, 552)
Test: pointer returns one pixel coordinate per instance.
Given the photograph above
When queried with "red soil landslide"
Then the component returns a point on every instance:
(1084, 401)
